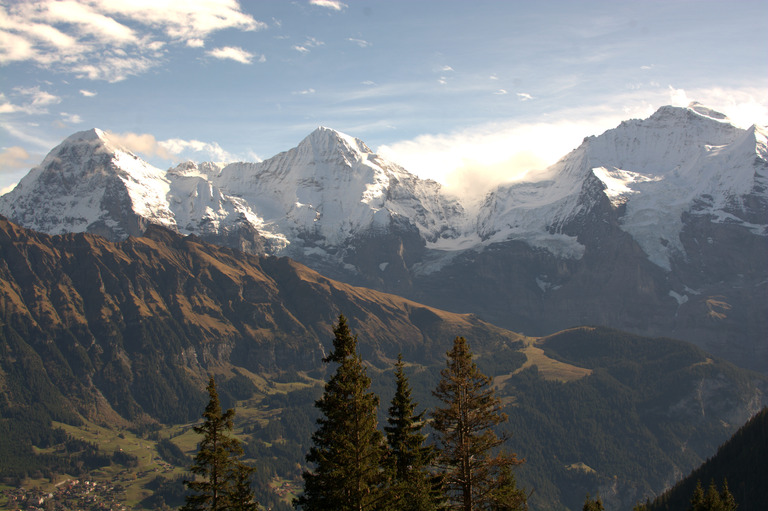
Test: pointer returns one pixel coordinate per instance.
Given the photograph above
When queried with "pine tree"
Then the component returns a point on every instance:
(697, 500)
(593, 505)
(348, 447)
(412, 487)
(217, 462)
(712, 498)
(727, 498)
(474, 475)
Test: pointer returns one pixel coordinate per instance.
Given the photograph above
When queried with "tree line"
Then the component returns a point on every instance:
(353, 466)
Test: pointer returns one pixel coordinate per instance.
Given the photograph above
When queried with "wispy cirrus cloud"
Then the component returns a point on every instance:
(33, 101)
(114, 39)
(307, 45)
(71, 118)
(233, 53)
(330, 4)
(362, 43)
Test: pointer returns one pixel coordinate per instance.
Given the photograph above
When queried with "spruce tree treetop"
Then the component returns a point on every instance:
(223, 481)
(347, 446)
(412, 487)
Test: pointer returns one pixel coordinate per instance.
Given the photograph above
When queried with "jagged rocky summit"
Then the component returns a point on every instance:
(658, 226)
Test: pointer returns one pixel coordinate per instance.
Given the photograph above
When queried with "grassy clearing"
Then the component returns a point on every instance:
(133, 479)
(549, 368)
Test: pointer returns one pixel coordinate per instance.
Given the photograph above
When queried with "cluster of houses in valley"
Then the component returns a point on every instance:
(72, 494)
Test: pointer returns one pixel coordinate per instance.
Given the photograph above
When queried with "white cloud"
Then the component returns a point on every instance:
(114, 67)
(446, 68)
(524, 96)
(142, 143)
(111, 39)
(744, 107)
(71, 118)
(305, 92)
(87, 93)
(212, 150)
(501, 92)
(470, 162)
(13, 159)
(360, 42)
(34, 101)
(173, 149)
(300, 49)
(7, 189)
(473, 160)
(232, 53)
(330, 4)
(19, 131)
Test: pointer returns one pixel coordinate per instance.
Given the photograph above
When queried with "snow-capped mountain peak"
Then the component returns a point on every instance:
(90, 183)
(656, 168)
(331, 188)
(324, 140)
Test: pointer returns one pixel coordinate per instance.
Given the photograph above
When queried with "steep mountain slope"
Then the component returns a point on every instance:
(113, 314)
(125, 334)
(742, 461)
(658, 226)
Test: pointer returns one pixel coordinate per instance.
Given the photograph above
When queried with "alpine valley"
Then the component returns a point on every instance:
(124, 286)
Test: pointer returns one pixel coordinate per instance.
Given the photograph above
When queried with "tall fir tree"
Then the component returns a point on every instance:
(219, 486)
(347, 446)
(477, 475)
(412, 486)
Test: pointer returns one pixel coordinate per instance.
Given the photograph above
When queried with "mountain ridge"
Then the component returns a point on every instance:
(658, 219)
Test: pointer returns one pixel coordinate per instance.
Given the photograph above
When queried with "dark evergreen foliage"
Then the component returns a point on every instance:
(222, 478)
(347, 448)
(469, 456)
(171, 453)
(591, 504)
(411, 484)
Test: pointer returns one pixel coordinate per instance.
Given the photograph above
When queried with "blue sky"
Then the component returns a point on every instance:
(468, 93)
